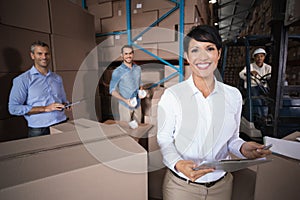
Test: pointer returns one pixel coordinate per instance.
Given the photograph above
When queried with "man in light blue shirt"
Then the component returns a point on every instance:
(125, 84)
(38, 94)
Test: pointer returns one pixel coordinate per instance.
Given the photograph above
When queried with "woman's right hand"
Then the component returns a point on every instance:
(187, 168)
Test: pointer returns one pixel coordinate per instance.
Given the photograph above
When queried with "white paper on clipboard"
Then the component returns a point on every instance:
(232, 165)
(287, 148)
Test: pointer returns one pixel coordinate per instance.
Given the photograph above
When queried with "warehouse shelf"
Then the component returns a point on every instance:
(179, 4)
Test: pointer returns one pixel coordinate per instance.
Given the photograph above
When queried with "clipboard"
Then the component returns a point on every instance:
(232, 165)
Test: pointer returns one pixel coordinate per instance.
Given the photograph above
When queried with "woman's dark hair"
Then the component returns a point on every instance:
(203, 33)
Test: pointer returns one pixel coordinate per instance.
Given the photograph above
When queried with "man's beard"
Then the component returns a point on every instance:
(128, 62)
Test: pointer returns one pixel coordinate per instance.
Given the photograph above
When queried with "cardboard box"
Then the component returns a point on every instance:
(244, 184)
(103, 10)
(150, 104)
(105, 41)
(109, 54)
(154, 35)
(143, 19)
(152, 73)
(138, 133)
(118, 21)
(157, 4)
(190, 17)
(141, 55)
(74, 132)
(113, 24)
(82, 86)
(97, 25)
(69, 53)
(23, 14)
(168, 50)
(15, 48)
(68, 19)
(77, 171)
(94, 2)
(156, 179)
(280, 178)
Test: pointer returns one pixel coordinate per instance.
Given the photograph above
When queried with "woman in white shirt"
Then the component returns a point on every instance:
(198, 120)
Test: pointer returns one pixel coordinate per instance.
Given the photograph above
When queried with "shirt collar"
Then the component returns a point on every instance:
(195, 90)
(124, 66)
(33, 71)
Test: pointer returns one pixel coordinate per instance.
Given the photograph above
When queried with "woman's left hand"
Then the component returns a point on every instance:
(253, 150)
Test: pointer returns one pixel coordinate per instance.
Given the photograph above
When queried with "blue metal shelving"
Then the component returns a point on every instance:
(179, 4)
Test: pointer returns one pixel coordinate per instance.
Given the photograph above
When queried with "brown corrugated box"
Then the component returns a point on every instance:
(97, 25)
(83, 85)
(141, 55)
(143, 19)
(156, 167)
(103, 10)
(154, 35)
(168, 50)
(69, 19)
(118, 21)
(80, 163)
(69, 53)
(151, 73)
(280, 178)
(72, 172)
(15, 48)
(30, 14)
(156, 4)
(173, 19)
(94, 2)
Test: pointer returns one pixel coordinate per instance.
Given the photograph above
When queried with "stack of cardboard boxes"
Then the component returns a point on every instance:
(65, 26)
(88, 160)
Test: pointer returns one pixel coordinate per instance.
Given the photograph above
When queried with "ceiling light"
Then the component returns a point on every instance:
(212, 1)
(216, 24)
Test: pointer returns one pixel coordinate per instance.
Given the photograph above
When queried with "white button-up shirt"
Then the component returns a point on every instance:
(192, 127)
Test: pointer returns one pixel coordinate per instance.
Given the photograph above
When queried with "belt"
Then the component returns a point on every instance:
(207, 184)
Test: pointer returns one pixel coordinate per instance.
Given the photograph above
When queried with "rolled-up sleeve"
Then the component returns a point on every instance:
(17, 98)
(114, 81)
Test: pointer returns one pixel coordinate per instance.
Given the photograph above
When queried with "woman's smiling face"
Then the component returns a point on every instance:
(203, 58)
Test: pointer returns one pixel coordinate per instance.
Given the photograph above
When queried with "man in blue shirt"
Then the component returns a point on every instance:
(38, 94)
(125, 84)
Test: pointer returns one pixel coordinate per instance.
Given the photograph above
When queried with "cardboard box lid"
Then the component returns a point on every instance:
(83, 130)
(121, 154)
(287, 146)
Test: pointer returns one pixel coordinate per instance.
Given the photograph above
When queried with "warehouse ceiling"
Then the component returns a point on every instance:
(233, 16)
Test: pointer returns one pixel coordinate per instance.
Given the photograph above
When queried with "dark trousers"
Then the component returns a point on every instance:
(33, 132)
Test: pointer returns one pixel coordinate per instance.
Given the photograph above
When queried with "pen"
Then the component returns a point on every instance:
(267, 147)
(71, 104)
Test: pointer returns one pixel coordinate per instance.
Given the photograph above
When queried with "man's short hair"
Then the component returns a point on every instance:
(38, 43)
(126, 46)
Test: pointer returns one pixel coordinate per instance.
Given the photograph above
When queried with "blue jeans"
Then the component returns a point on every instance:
(33, 132)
